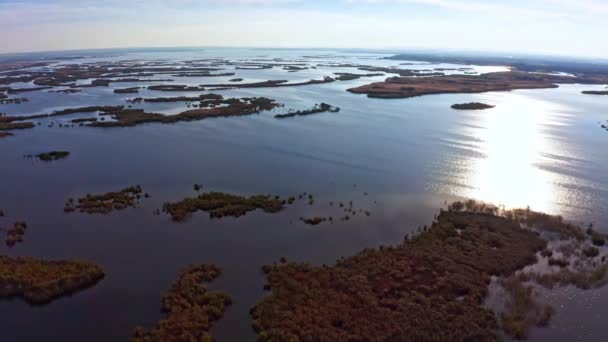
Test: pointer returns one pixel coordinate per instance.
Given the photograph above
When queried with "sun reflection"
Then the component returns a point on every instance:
(512, 139)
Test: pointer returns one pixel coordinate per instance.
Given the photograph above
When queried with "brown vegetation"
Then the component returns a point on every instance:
(269, 84)
(428, 288)
(39, 281)
(404, 87)
(522, 310)
(190, 308)
(6, 134)
(233, 107)
(203, 97)
(219, 204)
(5, 126)
(105, 203)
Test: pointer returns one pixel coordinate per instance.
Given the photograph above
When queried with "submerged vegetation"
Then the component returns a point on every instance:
(39, 282)
(190, 308)
(219, 204)
(15, 234)
(105, 203)
(53, 155)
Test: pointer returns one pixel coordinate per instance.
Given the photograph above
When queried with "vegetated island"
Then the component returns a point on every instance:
(405, 87)
(191, 309)
(269, 84)
(345, 76)
(595, 92)
(219, 204)
(318, 108)
(7, 126)
(6, 134)
(131, 90)
(53, 155)
(472, 106)
(39, 282)
(233, 107)
(13, 122)
(433, 285)
(130, 117)
(106, 203)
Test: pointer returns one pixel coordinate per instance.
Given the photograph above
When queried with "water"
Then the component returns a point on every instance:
(537, 148)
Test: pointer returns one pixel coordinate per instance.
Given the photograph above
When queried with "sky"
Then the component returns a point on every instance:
(556, 27)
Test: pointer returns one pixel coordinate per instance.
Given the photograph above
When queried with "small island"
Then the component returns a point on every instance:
(233, 107)
(318, 108)
(7, 126)
(106, 203)
(39, 282)
(132, 90)
(406, 87)
(219, 204)
(595, 92)
(472, 106)
(53, 155)
(191, 309)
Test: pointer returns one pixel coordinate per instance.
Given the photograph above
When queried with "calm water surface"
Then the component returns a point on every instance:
(537, 148)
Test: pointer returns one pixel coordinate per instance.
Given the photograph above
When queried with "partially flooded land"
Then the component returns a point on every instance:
(431, 286)
(475, 272)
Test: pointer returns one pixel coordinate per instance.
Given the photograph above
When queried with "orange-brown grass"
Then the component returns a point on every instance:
(190, 308)
(105, 203)
(39, 281)
(429, 287)
(404, 87)
(522, 310)
(219, 204)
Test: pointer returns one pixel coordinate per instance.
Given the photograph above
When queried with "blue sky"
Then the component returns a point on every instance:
(564, 27)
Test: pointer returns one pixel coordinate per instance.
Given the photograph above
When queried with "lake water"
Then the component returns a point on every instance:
(539, 148)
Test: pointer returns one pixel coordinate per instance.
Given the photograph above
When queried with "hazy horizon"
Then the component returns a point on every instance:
(548, 27)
